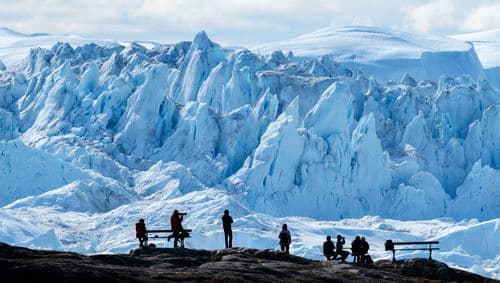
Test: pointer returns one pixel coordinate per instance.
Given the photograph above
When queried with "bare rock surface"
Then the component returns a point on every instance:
(231, 265)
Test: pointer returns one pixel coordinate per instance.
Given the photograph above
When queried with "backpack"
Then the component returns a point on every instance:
(368, 259)
(284, 237)
(140, 230)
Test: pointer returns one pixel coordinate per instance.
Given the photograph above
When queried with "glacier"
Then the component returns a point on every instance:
(95, 136)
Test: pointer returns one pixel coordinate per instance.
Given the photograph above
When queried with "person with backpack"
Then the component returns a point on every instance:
(340, 246)
(356, 250)
(329, 248)
(227, 220)
(364, 247)
(176, 227)
(141, 232)
(285, 239)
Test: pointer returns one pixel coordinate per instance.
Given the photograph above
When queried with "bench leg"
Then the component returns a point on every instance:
(393, 255)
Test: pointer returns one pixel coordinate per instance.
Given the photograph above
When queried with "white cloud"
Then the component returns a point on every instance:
(484, 17)
(435, 16)
(244, 22)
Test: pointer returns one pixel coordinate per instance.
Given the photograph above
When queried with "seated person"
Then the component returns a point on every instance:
(340, 245)
(329, 249)
(364, 247)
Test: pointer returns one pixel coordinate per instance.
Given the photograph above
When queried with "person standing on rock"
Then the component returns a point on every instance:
(176, 226)
(285, 239)
(356, 250)
(140, 232)
(227, 220)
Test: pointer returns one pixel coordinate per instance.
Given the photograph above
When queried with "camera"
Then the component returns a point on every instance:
(182, 213)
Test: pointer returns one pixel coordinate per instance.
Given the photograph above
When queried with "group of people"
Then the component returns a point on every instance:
(359, 249)
(178, 232)
(331, 250)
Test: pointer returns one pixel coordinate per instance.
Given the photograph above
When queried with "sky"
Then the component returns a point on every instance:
(242, 22)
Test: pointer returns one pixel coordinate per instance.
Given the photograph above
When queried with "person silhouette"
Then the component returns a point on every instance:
(340, 246)
(141, 232)
(329, 248)
(176, 227)
(364, 247)
(356, 249)
(227, 220)
(285, 239)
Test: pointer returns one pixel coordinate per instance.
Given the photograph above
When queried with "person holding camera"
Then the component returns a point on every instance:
(340, 245)
(176, 226)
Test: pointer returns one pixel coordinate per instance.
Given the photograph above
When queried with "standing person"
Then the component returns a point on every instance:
(356, 250)
(227, 220)
(340, 245)
(329, 248)
(176, 226)
(285, 239)
(364, 247)
(140, 232)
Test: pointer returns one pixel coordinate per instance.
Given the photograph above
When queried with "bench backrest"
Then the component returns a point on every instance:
(166, 231)
(416, 243)
(389, 244)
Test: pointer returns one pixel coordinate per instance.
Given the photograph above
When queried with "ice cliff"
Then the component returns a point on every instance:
(283, 135)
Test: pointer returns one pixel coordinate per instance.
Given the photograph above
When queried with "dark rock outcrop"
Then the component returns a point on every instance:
(232, 265)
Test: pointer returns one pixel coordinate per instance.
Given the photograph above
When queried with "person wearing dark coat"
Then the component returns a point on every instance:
(227, 220)
(340, 246)
(176, 227)
(356, 250)
(364, 247)
(285, 239)
(329, 248)
(140, 232)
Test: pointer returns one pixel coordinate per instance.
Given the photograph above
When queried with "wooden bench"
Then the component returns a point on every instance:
(186, 233)
(390, 246)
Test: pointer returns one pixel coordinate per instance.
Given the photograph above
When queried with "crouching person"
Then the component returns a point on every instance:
(329, 248)
(340, 248)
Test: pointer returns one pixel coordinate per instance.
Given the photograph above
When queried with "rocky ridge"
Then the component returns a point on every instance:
(231, 265)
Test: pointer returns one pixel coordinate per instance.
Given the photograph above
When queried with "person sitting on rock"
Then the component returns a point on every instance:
(340, 245)
(176, 227)
(227, 220)
(364, 247)
(140, 232)
(285, 239)
(329, 248)
(356, 250)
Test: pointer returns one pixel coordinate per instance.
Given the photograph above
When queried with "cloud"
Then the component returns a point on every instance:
(436, 16)
(483, 17)
(239, 22)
